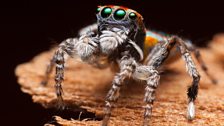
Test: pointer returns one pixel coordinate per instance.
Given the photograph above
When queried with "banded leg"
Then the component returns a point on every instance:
(127, 66)
(49, 69)
(151, 76)
(152, 83)
(59, 77)
(198, 57)
(192, 71)
(193, 89)
(85, 48)
(68, 47)
(163, 53)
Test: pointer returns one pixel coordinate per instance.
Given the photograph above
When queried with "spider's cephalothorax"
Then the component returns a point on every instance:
(119, 38)
(119, 29)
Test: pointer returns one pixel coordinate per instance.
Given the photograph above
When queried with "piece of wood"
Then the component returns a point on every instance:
(85, 89)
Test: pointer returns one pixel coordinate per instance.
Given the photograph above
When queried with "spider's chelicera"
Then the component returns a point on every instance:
(120, 37)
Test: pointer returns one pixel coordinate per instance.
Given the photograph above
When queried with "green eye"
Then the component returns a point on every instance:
(119, 14)
(132, 15)
(97, 10)
(106, 12)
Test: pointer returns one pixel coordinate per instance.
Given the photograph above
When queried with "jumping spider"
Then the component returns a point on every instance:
(121, 37)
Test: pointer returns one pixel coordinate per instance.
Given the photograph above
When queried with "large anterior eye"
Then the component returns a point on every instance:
(106, 12)
(119, 14)
(132, 15)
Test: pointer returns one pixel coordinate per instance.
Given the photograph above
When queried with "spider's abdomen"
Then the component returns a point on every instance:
(151, 39)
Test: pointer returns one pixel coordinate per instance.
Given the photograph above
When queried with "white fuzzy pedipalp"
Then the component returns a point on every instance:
(84, 49)
(109, 42)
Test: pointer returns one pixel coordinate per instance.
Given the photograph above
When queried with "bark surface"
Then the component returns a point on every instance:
(85, 89)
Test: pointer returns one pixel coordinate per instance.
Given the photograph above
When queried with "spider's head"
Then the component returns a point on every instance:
(126, 23)
(111, 16)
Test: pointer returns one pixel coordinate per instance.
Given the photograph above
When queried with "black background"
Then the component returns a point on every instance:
(29, 28)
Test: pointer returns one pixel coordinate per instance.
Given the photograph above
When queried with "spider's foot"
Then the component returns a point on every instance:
(107, 112)
(105, 121)
(191, 111)
(61, 106)
(60, 103)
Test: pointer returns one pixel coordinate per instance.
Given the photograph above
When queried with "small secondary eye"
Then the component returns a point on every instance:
(106, 12)
(97, 10)
(132, 15)
(119, 14)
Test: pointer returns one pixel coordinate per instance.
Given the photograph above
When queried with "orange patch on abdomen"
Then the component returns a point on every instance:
(150, 41)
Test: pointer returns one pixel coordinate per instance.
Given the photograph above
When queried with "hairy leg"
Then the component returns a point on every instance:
(68, 47)
(85, 47)
(58, 60)
(127, 66)
(152, 83)
(163, 53)
(198, 57)
(151, 76)
(59, 76)
(152, 53)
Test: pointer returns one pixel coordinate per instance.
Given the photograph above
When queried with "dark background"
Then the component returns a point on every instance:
(29, 28)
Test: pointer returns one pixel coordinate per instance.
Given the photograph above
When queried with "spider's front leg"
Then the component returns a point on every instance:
(85, 47)
(163, 53)
(151, 76)
(66, 47)
(127, 66)
(70, 46)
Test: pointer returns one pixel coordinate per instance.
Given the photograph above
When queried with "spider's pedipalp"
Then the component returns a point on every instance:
(86, 48)
(110, 40)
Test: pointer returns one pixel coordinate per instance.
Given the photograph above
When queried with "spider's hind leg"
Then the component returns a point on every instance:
(192, 71)
(161, 54)
(199, 59)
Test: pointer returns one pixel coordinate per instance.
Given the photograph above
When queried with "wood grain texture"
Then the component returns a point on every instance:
(85, 88)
